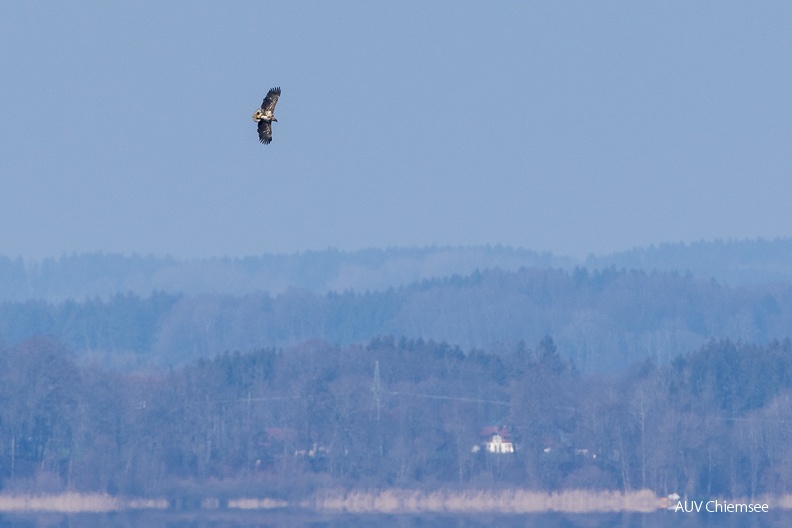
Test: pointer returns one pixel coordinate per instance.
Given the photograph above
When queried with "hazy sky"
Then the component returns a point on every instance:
(571, 127)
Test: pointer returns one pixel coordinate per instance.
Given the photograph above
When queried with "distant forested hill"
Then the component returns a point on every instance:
(104, 275)
(601, 320)
(657, 302)
(732, 262)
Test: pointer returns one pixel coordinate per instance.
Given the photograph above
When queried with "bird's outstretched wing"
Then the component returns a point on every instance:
(268, 105)
(265, 131)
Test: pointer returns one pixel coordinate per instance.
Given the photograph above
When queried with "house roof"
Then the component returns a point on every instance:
(490, 430)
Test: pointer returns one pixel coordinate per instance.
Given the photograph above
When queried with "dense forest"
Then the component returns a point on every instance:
(601, 319)
(398, 413)
(278, 375)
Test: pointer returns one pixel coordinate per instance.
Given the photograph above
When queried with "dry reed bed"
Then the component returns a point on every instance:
(387, 501)
(506, 501)
(76, 503)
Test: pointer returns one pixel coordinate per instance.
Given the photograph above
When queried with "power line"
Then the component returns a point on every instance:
(453, 398)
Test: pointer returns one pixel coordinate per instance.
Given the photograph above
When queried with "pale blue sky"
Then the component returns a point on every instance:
(571, 127)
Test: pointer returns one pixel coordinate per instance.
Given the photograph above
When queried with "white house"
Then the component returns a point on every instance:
(494, 440)
(498, 444)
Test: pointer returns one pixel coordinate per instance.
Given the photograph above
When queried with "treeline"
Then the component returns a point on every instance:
(601, 319)
(398, 413)
(734, 262)
(103, 275)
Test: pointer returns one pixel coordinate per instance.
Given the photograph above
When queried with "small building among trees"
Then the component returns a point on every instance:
(495, 440)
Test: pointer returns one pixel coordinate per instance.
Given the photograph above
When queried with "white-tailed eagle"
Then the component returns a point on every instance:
(265, 115)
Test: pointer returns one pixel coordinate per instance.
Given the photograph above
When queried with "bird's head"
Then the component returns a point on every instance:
(257, 115)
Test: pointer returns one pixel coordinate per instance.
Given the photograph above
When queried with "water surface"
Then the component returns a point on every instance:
(291, 519)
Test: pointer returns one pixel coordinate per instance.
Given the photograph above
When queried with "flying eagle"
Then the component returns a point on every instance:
(265, 115)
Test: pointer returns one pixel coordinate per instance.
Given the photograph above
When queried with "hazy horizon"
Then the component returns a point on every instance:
(412, 247)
